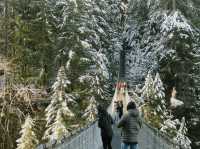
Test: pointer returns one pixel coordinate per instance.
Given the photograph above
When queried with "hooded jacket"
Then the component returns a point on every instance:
(130, 124)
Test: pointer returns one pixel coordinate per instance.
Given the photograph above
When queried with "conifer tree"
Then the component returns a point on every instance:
(148, 96)
(60, 101)
(28, 139)
(181, 137)
(148, 89)
(159, 101)
(158, 86)
(165, 38)
(62, 81)
(58, 128)
(170, 126)
(91, 110)
(94, 84)
(30, 45)
(156, 110)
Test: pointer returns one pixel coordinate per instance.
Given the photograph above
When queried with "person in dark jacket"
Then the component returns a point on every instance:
(120, 109)
(105, 122)
(130, 124)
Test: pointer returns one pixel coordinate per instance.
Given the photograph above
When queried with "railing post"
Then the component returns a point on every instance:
(79, 142)
(82, 147)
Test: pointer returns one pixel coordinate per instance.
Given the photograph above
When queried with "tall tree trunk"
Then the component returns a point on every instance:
(174, 5)
(123, 10)
(122, 65)
(6, 27)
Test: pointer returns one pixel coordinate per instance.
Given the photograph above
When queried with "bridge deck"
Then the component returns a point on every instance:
(89, 138)
(116, 143)
(150, 140)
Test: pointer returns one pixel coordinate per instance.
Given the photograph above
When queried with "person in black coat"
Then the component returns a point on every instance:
(120, 109)
(105, 122)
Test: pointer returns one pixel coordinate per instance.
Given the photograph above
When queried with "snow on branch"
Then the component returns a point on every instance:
(170, 125)
(175, 20)
(159, 88)
(58, 129)
(181, 137)
(91, 110)
(28, 139)
(94, 81)
(59, 106)
(148, 90)
(61, 80)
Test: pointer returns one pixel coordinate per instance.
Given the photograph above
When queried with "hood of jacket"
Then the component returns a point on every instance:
(133, 112)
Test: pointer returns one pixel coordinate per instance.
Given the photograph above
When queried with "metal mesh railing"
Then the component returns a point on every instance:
(151, 138)
(89, 138)
(86, 138)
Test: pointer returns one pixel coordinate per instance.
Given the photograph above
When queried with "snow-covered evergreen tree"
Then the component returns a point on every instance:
(148, 95)
(94, 82)
(148, 92)
(158, 86)
(181, 137)
(155, 109)
(91, 110)
(82, 39)
(136, 98)
(58, 129)
(164, 37)
(159, 99)
(160, 39)
(62, 81)
(60, 101)
(170, 126)
(28, 139)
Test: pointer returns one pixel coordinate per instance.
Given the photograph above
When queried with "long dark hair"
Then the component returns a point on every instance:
(104, 118)
(101, 109)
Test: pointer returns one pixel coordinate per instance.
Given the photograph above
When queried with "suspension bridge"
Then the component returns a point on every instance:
(89, 138)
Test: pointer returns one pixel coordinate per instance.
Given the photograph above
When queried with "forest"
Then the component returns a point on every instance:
(59, 59)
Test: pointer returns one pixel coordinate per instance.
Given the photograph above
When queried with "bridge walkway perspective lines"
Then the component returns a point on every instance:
(89, 138)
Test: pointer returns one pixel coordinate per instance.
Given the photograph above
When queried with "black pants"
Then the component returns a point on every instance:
(106, 142)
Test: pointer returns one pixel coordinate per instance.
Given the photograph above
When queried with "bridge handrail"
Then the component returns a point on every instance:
(74, 134)
(83, 134)
(162, 134)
